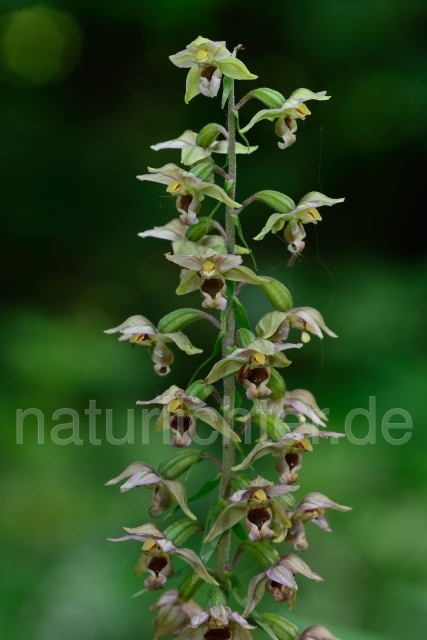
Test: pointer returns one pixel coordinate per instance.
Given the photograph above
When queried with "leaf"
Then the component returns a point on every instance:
(208, 548)
(216, 350)
(227, 85)
(207, 488)
(241, 315)
(238, 226)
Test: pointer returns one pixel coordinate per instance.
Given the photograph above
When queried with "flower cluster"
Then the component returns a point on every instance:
(262, 512)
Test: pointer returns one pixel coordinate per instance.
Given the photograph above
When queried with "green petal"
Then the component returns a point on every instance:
(182, 342)
(275, 223)
(269, 324)
(179, 492)
(183, 59)
(234, 68)
(227, 519)
(192, 84)
(256, 590)
(216, 421)
(213, 191)
(190, 155)
(189, 282)
(194, 561)
(244, 274)
(222, 369)
(260, 450)
(264, 114)
(306, 94)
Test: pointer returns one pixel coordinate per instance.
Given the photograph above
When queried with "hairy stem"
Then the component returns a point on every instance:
(228, 451)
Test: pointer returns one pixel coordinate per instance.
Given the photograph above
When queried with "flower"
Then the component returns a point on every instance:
(275, 325)
(188, 189)
(140, 474)
(279, 581)
(289, 450)
(298, 402)
(253, 364)
(258, 505)
(180, 413)
(217, 623)
(156, 556)
(193, 151)
(174, 614)
(317, 632)
(206, 269)
(305, 212)
(207, 61)
(139, 330)
(310, 509)
(293, 109)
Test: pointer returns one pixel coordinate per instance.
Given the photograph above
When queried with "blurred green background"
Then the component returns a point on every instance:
(86, 87)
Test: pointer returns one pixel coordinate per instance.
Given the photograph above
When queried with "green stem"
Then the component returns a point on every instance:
(228, 451)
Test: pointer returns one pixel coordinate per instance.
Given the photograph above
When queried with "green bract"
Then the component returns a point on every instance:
(207, 62)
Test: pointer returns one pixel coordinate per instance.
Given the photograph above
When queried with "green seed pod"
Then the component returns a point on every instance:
(276, 384)
(269, 97)
(179, 531)
(239, 481)
(216, 596)
(279, 295)
(178, 463)
(263, 552)
(202, 170)
(276, 200)
(197, 231)
(198, 389)
(177, 320)
(244, 337)
(283, 629)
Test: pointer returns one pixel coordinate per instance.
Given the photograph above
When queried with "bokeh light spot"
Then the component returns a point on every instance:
(40, 45)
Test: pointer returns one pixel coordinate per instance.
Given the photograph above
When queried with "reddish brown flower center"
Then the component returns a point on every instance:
(181, 423)
(185, 201)
(292, 459)
(212, 286)
(207, 72)
(218, 634)
(257, 376)
(258, 517)
(157, 564)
